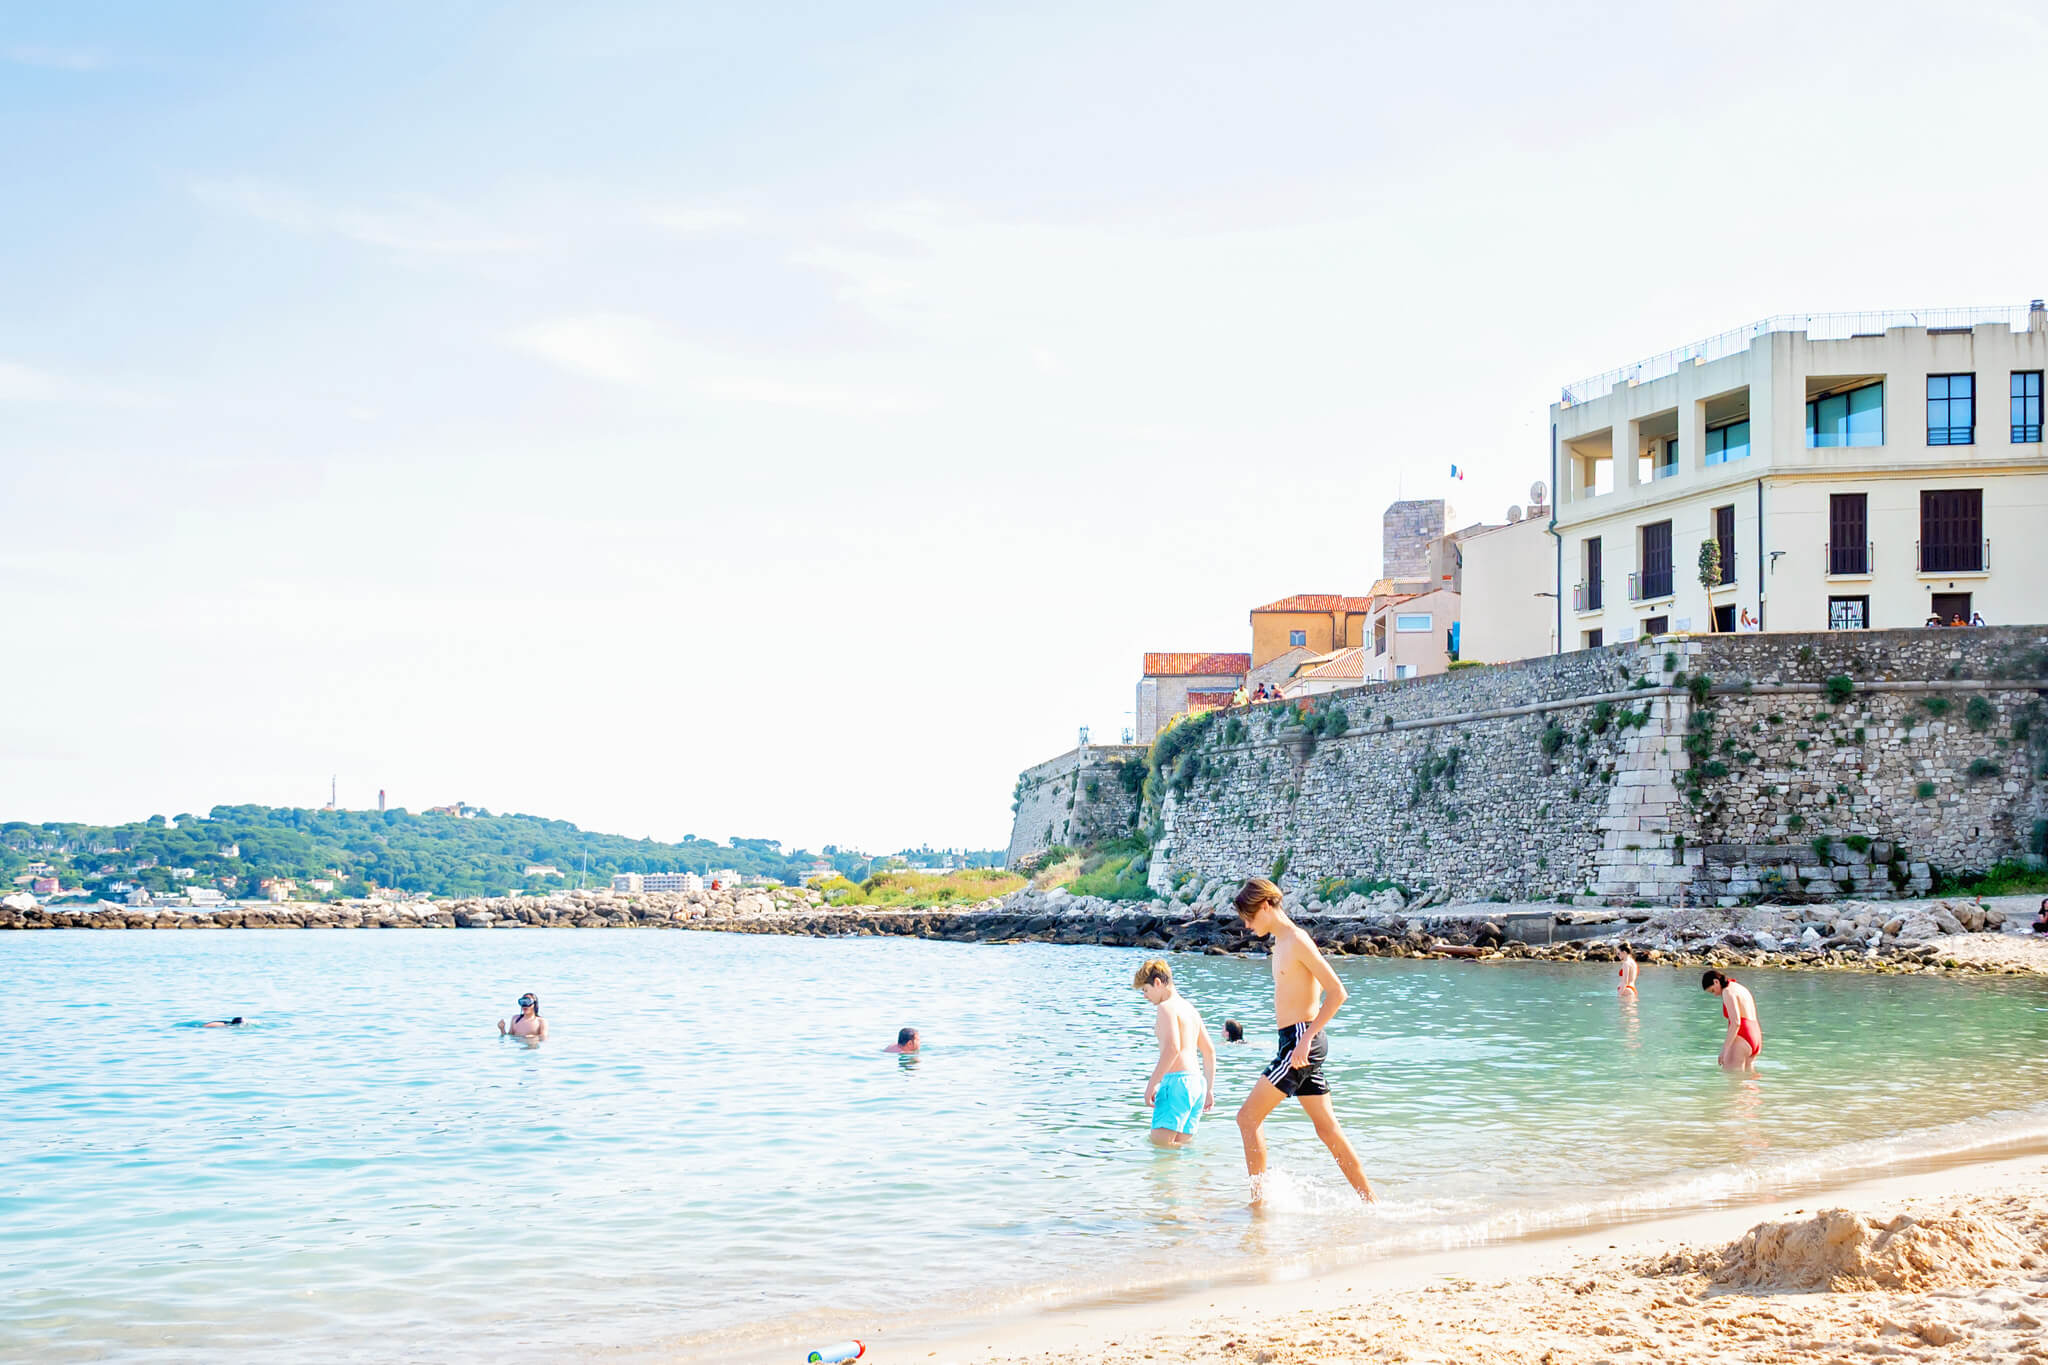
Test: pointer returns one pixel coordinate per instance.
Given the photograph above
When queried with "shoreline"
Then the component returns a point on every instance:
(1557, 1297)
(1928, 936)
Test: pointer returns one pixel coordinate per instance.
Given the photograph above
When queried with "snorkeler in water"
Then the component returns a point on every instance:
(527, 1023)
(235, 1022)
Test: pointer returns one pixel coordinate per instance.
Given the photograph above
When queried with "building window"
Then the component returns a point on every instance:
(1952, 531)
(1724, 619)
(1410, 623)
(1848, 613)
(1848, 533)
(1656, 625)
(1728, 443)
(1951, 409)
(1724, 538)
(1592, 586)
(1297, 638)
(1855, 418)
(2026, 407)
(1656, 561)
(1379, 636)
(1404, 670)
(1595, 639)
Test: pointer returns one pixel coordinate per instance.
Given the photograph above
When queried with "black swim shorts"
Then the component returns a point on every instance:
(1307, 1080)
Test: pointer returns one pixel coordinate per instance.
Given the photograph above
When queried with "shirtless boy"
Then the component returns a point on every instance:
(1306, 996)
(1178, 1097)
(1745, 1040)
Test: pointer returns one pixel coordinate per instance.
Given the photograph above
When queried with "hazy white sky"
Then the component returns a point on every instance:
(791, 420)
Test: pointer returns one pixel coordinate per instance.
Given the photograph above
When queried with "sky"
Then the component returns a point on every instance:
(791, 421)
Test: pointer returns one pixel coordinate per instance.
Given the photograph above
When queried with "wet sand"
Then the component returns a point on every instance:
(1946, 1265)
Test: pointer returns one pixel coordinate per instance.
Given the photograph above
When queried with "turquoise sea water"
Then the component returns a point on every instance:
(711, 1156)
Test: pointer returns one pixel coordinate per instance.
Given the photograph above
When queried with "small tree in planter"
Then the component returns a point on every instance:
(1710, 572)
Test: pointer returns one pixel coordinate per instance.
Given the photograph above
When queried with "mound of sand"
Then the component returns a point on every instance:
(1840, 1250)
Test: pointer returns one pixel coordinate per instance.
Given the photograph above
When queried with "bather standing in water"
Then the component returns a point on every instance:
(1745, 1041)
(527, 1023)
(1629, 971)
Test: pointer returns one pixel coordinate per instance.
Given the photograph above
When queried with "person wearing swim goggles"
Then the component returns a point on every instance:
(527, 1023)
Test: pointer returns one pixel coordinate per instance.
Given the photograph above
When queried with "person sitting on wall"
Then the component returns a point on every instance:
(1240, 697)
(2041, 920)
(1934, 620)
(1977, 619)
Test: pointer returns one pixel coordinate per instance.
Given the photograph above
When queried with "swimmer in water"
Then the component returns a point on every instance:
(1745, 1041)
(1306, 996)
(1628, 971)
(235, 1022)
(527, 1023)
(1233, 1032)
(906, 1041)
(1177, 1095)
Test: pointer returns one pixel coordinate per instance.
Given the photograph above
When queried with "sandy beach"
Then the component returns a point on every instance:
(1950, 1264)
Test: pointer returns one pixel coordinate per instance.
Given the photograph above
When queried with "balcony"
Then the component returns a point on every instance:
(1953, 557)
(1849, 559)
(1648, 587)
(1586, 596)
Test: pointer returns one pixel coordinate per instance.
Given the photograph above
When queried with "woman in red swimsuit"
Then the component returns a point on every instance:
(1745, 1041)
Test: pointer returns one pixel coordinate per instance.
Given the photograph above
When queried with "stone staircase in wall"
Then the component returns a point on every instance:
(1639, 856)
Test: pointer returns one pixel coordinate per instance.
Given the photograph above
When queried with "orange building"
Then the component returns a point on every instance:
(1321, 623)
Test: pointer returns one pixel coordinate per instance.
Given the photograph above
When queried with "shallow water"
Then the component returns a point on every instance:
(711, 1154)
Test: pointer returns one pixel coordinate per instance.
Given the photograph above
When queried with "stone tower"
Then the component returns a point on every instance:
(1408, 532)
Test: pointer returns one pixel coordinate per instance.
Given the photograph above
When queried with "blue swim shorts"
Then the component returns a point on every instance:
(1179, 1103)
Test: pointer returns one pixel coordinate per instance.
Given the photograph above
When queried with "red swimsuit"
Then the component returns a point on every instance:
(1747, 1031)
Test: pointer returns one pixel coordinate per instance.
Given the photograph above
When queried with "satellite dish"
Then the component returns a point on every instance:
(1514, 515)
(1536, 492)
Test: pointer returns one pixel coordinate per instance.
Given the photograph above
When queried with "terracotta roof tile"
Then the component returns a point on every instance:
(1317, 601)
(1197, 665)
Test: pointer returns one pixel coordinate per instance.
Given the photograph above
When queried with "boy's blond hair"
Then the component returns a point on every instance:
(1155, 969)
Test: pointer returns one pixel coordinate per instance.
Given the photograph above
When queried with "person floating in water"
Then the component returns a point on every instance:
(1177, 1095)
(1301, 978)
(235, 1022)
(1233, 1032)
(1629, 971)
(906, 1041)
(1745, 1041)
(527, 1023)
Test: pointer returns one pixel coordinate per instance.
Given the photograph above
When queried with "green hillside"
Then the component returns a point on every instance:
(445, 855)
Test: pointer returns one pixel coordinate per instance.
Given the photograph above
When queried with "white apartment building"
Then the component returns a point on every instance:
(1855, 471)
(672, 881)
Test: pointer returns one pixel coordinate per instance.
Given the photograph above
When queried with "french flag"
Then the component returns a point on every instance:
(1457, 473)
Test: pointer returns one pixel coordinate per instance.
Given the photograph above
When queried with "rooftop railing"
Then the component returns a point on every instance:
(1817, 326)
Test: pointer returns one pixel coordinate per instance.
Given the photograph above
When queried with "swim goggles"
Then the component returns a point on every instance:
(526, 1000)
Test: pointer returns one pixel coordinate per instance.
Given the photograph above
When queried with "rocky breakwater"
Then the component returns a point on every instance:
(1887, 936)
(562, 910)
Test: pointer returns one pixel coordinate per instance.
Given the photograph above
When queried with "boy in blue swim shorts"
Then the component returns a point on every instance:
(1179, 1096)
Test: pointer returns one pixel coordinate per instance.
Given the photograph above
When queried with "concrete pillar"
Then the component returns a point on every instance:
(1692, 435)
(1628, 449)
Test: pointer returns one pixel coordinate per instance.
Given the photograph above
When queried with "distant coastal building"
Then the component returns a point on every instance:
(541, 870)
(1854, 471)
(1174, 683)
(1319, 622)
(204, 895)
(628, 883)
(1413, 636)
(43, 886)
(672, 881)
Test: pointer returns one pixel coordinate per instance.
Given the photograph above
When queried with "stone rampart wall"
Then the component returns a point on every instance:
(1575, 774)
(1076, 799)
